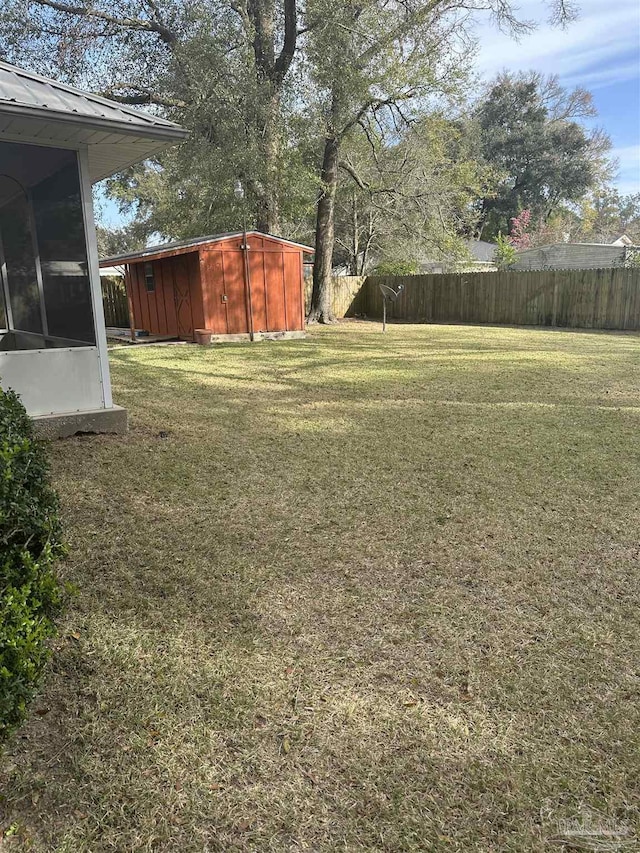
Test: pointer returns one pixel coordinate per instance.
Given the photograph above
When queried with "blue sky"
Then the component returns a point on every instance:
(600, 51)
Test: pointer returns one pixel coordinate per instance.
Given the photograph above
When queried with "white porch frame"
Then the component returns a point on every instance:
(67, 388)
(94, 275)
(64, 380)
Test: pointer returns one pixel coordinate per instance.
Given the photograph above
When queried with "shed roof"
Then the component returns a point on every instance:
(181, 246)
(36, 110)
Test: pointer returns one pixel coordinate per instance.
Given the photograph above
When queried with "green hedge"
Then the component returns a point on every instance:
(30, 544)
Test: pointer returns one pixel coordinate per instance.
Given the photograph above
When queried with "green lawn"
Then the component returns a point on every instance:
(356, 592)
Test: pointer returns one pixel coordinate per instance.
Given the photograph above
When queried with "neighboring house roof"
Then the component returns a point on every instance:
(623, 240)
(482, 258)
(482, 251)
(571, 256)
(182, 246)
(41, 111)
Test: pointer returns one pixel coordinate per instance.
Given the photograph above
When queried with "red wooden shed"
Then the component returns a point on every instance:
(216, 288)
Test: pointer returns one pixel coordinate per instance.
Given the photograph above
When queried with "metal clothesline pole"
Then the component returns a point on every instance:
(391, 294)
(238, 191)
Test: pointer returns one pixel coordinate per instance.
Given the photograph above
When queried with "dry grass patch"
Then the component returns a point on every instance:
(349, 593)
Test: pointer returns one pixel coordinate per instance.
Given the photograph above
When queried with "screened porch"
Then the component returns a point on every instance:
(55, 141)
(45, 301)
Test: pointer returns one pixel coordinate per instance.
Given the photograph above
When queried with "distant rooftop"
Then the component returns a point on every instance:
(615, 245)
(480, 250)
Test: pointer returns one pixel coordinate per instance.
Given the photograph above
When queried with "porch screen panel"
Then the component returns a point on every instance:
(57, 206)
(4, 322)
(19, 257)
(3, 312)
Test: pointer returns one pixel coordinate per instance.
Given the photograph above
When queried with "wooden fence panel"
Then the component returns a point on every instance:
(591, 299)
(347, 295)
(583, 299)
(115, 303)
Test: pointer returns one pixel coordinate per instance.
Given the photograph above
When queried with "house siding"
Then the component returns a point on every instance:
(565, 256)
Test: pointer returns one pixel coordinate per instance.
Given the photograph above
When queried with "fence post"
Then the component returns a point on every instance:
(554, 310)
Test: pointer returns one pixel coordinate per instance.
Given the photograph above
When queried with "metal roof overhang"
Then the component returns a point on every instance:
(112, 145)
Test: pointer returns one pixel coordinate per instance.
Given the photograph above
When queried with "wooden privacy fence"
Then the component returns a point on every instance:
(115, 303)
(588, 299)
(581, 299)
(345, 294)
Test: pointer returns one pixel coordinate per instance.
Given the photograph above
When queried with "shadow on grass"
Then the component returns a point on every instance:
(335, 607)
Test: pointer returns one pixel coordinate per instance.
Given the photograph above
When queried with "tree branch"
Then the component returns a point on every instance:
(240, 8)
(286, 55)
(153, 25)
(140, 95)
(349, 169)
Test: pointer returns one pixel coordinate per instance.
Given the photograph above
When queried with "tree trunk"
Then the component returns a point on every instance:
(320, 309)
(482, 219)
(268, 207)
(355, 243)
(271, 71)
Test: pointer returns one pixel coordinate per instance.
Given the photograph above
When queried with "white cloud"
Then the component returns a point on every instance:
(628, 155)
(627, 187)
(601, 36)
(617, 72)
(599, 49)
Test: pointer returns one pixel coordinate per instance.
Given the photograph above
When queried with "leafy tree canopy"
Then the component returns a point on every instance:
(219, 67)
(530, 131)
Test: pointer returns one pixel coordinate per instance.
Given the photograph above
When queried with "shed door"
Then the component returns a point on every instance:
(182, 296)
(235, 290)
(275, 291)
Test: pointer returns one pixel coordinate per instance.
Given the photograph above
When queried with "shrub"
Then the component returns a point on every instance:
(30, 544)
(505, 254)
(397, 267)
